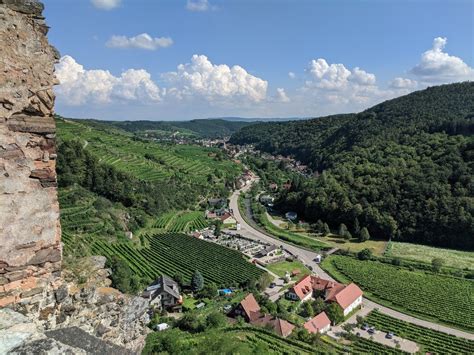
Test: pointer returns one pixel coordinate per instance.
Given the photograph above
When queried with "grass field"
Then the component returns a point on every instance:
(429, 340)
(281, 226)
(453, 258)
(280, 268)
(436, 297)
(354, 246)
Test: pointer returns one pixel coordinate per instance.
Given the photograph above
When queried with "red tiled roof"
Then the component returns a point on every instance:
(280, 326)
(302, 287)
(314, 325)
(225, 216)
(333, 291)
(250, 306)
(347, 295)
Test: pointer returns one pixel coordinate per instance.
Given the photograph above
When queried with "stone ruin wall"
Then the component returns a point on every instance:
(30, 232)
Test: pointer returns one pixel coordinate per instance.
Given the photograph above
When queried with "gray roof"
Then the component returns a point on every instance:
(164, 284)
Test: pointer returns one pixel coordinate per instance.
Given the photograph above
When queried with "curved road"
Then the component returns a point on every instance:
(307, 257)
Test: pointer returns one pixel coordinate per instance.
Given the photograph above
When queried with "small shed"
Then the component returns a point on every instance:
(295, 272)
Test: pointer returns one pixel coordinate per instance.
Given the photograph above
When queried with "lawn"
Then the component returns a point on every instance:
(453, 258)
(280, 268)
(353, 245)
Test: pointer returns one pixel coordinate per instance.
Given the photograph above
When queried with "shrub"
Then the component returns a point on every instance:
(364, 254)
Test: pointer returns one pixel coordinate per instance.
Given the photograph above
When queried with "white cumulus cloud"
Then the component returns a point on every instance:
(437, 66)
(212, 82)
(403, 83)
(291, 75)
(280, 96)
(105, 4)
(142, 41)
(328, 76)
(198, 5)
(80, 86)
(361, 77)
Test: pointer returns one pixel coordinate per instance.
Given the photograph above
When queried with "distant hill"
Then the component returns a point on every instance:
(202, 128)
(403, 168)
(259, 119)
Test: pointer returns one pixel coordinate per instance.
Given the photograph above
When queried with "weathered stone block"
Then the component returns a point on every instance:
(44, 255)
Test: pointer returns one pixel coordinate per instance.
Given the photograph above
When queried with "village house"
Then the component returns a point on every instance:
(228, 220)
(348, 297)
(319, 324)
(269, 250)
(216, 202)
(279, 326)
(164, 294)
(249, 309)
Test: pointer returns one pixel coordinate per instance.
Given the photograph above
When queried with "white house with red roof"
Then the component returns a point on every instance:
(302, 290)
(319, 324)
(348, 297)
(227, 219)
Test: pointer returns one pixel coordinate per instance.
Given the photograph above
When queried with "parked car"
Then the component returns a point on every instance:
(365, 326)
(371, 330)
(272, 285)
(389, 335)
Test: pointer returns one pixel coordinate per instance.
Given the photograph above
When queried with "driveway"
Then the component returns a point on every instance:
(379, 337)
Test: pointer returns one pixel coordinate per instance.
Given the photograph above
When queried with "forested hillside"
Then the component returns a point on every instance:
(204, 128)
(404, 168)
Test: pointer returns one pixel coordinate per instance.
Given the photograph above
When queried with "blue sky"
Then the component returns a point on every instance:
(397, 47)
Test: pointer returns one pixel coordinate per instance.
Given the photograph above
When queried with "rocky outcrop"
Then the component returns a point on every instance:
(90, 318)
(42, 311)
(19, 336)
(30, 249)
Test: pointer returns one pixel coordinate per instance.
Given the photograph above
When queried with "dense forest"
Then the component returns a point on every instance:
(204, 128)
(404, 168)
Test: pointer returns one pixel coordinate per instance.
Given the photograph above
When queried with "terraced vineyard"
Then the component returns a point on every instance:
(148, 161)
(172, 253)
(447, 299)
(79, 216)
(181, 221)
(431, 341)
